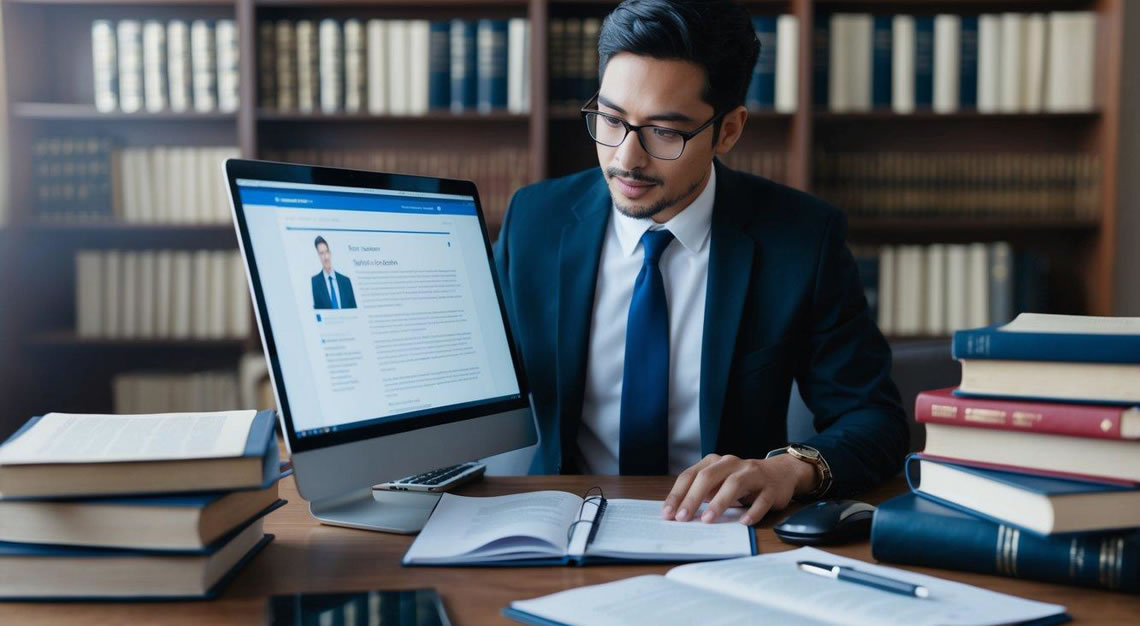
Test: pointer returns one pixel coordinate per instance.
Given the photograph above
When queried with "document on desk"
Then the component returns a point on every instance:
(770, 588)
(558, 528)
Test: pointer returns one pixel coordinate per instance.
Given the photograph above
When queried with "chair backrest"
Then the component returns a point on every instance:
(917, 366)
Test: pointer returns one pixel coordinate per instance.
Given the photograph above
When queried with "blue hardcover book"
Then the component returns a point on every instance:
(968, 68)
(464, 77)
(820, 60)
(439, 66)
(882, 38)
(74, 473)
(762, 89)
(1045, 505)
(917, 531)
(923, 62)
(1042, 337)
(88, 573)
(492, 65)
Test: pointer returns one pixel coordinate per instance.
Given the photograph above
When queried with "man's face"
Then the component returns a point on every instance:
(644, 90)
(326, 256)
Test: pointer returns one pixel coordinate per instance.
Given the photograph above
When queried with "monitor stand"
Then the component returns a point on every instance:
(403, 512)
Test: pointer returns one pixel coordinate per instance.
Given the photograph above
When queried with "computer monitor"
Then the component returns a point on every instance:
(389, 347)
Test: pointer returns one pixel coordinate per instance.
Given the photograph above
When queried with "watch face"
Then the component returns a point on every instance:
(806, 452)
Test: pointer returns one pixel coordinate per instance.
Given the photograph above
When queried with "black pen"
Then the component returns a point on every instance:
(853, 575)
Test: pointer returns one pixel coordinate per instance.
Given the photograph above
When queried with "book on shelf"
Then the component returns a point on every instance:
(418, 69)
(917, 531)
(463, 69)
(331, 66)
(267, 65)
(787, 63)
(492, 55)
(72, 178)
(1071, 62)
(154, 522)
(307, 66)
(901, 90)
(172, 185)
(227, 65)
(439, 66)
(285, 64)
(179, 71)
(573, 62)
(561, 528)
(355, 67)
(39, 572)
(1038, 504)
(148, 294)
(947, 63)
(762, 87)
(130, 52)
(203, 66)
(1047, 337)
(105, 65)
(772, 589)
(66, 454)
(155, 88)
(518, 63)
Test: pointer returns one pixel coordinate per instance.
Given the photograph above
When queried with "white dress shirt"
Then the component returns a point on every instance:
(334, 290)
(684, 269)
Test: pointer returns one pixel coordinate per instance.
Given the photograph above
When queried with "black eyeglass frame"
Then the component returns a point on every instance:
(686, 135)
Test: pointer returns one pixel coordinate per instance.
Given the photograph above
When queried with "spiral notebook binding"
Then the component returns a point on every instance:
(598, 500)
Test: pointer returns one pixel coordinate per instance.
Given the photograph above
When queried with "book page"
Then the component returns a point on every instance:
(774, 580)
(76, 438)
(653, 600)
(635, 528)
(461, 525)
(1079, 324)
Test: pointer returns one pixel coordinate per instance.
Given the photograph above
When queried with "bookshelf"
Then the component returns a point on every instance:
(53, 369)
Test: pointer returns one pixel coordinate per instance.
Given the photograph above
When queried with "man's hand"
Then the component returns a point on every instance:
(723, 481)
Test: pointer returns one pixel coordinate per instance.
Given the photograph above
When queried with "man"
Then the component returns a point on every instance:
(663, 303)
(331, 290)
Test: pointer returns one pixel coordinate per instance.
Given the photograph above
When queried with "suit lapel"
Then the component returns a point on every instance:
(579, 254)
(730, 268)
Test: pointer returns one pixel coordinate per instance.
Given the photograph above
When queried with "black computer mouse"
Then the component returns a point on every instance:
(827, 522)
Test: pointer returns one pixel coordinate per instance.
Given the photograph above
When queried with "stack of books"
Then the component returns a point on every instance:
(134, 506)
(1032, 465)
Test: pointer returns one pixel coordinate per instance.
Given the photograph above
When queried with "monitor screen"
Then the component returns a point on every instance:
(382, 305)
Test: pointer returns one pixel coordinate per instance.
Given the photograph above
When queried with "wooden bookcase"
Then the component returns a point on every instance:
(46, 367)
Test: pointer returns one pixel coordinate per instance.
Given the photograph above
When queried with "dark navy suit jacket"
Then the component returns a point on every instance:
(783, 302)
(321, 298)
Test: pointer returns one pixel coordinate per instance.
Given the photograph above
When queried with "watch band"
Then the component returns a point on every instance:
(809, 455)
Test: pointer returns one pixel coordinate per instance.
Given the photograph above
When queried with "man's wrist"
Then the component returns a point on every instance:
(807, 478)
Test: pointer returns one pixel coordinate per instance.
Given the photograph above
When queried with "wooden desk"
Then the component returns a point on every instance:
(309, 557)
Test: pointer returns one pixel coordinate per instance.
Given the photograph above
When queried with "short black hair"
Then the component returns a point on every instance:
(717, 35)
(318, 241)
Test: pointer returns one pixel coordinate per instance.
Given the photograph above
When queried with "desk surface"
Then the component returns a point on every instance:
(307, 556)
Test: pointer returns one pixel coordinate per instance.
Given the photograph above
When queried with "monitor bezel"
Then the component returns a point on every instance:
(272, 171)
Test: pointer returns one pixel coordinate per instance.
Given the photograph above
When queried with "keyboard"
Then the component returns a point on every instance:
(441, 479)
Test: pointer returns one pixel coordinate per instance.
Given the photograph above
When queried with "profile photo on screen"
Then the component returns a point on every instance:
(331, 289)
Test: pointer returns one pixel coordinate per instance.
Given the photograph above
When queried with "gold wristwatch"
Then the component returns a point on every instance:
(808, 454)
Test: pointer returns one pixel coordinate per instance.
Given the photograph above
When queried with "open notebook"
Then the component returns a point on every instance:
(558, 528)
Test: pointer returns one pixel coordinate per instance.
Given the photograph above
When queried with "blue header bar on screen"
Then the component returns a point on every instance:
(343, 201)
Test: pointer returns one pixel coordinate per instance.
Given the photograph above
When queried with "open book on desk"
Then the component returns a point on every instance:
(559, 528)
(770, 589)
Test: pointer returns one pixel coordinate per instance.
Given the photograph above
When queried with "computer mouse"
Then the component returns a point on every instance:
(827, 522)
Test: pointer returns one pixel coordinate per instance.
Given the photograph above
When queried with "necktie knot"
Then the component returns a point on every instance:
(655, 242)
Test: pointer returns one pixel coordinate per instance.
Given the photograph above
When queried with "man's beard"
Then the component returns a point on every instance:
(656, 207)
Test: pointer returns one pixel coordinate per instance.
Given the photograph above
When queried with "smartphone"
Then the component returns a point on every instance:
(415, 607)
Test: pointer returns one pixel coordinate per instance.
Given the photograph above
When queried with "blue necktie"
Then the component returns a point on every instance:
(332, 294)
(644, 446)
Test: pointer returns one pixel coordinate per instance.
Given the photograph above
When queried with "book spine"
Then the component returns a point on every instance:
(178, 65)
(968, 66)
(821, 53)
(989, 63)
(154, 66)
(130, 65)
(1001, 282)
(1073, 420)
(923, 62)
(492, 65)
(968, 543)
(762, 90)
(787, 63)
(573, 63)
(419, 51)
(355, 85)
(439, 67)
(307, 66)
(902, 66)
(881, 70)
(377, 67)
(203, 66)
(285, 36)
(947, 61)
(991, 343)
(1033, 81)
(1012, 62)
(105, 65)
(267, 65)
(591, 29)
(464, 87)
(227, 65)
(331, 63)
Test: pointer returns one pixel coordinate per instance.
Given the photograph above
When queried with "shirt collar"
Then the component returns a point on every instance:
(328, 275)
(691, 226)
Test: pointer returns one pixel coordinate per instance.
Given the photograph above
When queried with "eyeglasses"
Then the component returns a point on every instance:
(660, 142)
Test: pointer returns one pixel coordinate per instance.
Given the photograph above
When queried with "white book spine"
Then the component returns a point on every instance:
(1033, 96)
(355, 85)
(887, 290)
(957, 298)
(377, 67)
(163, 293)
(106, 66)
(182, 297)
(787, 63)
(331, 66)
(902, 64)
(936, 290)
(89, 291)
(910, 296)
(240, 309)
(227, 53)
(178, 65)
(154, 66)
(146, 293)
(203, 66)
(130, 65)
(1012, 63)
(307, 86)
(398, 61)
(112, 295)
(979, 285)
(419, 50)
(516, 63)
(200, 294)
(286, 50)
(219, 290)
(1071, 62)
(947, 62)
(989, 63)
(839, 76)
(860, 49)
(129, 292)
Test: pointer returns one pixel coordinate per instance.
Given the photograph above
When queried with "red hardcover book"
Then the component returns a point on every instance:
(941, 406)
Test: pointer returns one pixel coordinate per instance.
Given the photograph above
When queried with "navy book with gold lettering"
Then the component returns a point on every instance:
(915, 531)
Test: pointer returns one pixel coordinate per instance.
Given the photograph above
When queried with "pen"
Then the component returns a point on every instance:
(853, 575)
